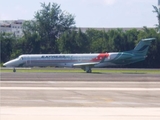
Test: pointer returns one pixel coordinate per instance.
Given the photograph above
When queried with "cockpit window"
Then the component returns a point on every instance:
(20, 58)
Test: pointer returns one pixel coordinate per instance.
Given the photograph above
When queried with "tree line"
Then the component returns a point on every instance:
(53, 31)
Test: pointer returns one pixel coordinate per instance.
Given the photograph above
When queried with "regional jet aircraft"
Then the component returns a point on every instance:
(84, 61)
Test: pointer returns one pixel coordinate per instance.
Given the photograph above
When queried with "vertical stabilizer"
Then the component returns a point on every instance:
(142, 47)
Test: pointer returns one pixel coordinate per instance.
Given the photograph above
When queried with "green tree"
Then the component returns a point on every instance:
(97, 40)
(120, 41)
(82, 42)
(48, 24)
(7, 42)
(131, 37)
(67, 43)
(17, 48)
(115, 40)
(31, 43)
(73, 42)
(157, 11)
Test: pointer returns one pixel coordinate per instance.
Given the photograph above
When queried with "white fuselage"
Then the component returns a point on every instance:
(61, 60)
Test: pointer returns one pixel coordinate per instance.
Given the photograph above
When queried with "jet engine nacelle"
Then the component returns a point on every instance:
(120, 56)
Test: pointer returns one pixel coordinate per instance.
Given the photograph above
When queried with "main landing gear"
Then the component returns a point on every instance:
(87, 69)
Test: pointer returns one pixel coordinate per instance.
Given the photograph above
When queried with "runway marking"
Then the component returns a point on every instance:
(79, 88)
(75, 82)
(76, 113)
(82, 111)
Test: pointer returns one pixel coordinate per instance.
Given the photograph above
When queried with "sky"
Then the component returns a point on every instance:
(88, 13)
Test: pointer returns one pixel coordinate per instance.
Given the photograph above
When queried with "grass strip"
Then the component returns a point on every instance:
(78, 70)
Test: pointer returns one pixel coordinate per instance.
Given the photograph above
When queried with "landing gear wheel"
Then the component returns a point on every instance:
(14, 70)
(89, 71)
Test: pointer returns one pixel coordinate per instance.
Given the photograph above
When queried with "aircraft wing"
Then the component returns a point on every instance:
(86, 64)
(89, 63)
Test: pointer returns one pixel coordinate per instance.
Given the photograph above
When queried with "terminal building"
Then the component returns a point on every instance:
(12, 26)
(15, 27)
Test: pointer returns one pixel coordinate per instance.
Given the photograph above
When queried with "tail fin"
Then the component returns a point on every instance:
(142, 47)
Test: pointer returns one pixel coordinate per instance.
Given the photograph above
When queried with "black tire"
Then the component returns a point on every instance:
(14, 70)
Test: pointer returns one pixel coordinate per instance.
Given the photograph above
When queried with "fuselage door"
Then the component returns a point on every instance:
(28, 61)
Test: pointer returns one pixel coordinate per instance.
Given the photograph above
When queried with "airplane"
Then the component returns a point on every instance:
(84, 61)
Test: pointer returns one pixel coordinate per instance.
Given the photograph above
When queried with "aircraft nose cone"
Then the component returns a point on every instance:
(7, 64)
(4, 65)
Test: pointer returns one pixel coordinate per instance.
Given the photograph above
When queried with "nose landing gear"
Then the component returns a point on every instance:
(14, 69)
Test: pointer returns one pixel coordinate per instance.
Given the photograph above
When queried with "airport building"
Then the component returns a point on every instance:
(83, 29)
(15, 27)
(12, 26)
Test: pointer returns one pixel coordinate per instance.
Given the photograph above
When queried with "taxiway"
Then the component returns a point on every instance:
(79, 96)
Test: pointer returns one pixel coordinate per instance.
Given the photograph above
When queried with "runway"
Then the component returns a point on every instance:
(79, 96)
